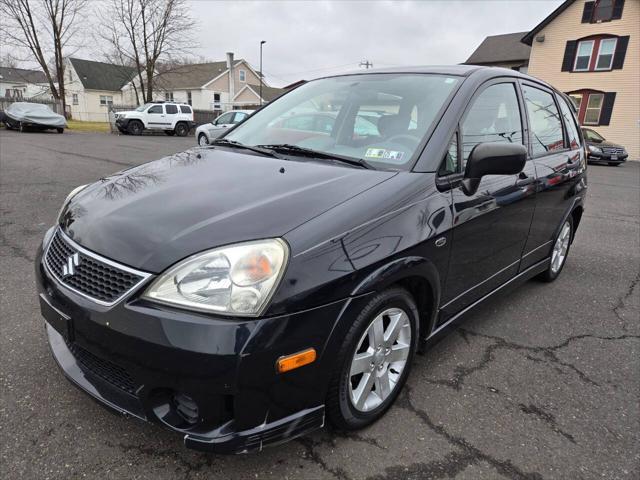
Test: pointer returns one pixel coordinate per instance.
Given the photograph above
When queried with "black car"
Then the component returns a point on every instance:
(601, 151)
(243, 293)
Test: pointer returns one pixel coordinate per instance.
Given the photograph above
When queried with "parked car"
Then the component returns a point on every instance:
(171, 118)
(244, 293)
(208, 132)
(33, 116)
(602, 151)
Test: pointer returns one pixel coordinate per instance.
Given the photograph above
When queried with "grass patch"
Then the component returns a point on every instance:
(78, 126)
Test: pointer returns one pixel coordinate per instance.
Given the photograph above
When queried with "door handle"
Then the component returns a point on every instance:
(524, 180)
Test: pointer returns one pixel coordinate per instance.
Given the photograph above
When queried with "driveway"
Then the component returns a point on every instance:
(541, 383)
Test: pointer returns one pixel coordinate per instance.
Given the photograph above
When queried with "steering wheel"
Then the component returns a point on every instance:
(404, 139)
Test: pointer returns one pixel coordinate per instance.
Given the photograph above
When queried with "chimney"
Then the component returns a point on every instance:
(232, 78)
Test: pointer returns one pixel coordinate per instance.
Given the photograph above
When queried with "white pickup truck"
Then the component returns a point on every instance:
(172, 118)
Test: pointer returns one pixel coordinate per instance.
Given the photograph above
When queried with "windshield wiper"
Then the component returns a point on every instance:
(309, 152)
(223, 142)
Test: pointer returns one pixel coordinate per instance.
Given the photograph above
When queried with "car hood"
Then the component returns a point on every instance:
(604, 144)
(151, 216)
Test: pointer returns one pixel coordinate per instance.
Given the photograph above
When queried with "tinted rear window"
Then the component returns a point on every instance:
(171, 109)
(185, 109)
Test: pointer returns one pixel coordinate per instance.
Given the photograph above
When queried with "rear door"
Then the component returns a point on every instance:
(556, 149)
(490, 227)
(171, 115)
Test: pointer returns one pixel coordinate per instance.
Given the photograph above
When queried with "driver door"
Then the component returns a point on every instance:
(220, 124)
(490, 227)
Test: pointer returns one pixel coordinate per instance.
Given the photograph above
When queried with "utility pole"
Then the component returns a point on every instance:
(262, 42)
(366, 64)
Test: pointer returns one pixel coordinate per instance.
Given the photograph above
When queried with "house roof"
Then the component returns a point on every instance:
(191, 76)
(102, 76)
(8, 74)
(500, 48)
(528, 38)
(269, 93)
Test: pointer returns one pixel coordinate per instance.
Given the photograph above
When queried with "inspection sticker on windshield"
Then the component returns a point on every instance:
(384, 154)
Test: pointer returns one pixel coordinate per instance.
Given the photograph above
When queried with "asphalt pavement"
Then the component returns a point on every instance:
(540, 383)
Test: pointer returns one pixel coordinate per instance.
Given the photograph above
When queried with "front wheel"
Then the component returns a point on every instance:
(181, 129)
(202, 140)
(560, 251)
(135, 127)
(60, 130)
(374, 360)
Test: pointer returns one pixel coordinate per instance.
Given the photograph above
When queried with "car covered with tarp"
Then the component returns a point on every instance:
(33, 116)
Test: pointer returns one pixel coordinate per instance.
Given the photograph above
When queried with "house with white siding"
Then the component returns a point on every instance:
(92, 87)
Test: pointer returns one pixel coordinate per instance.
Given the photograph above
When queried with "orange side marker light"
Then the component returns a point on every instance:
(296, 360)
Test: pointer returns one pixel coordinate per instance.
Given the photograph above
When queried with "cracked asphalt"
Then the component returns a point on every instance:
(540, 383)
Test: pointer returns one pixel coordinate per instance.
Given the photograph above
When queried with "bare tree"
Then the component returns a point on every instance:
(144, 34)
(44, 28)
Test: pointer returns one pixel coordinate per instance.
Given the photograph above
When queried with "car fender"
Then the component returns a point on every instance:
(402, 270)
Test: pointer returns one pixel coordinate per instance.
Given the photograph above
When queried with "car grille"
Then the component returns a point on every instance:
(109, 372)
(87, 274)
(613, 150)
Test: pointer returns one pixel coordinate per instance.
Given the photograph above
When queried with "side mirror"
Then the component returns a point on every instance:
(492, 159)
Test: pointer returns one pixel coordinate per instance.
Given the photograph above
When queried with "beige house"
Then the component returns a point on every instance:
(91, 87)
(591, 51)
(223, 85)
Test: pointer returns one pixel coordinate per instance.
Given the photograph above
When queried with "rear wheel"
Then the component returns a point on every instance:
(374, 360)
(560, 251)
(203, 141)
(135, 127)
(181, 129)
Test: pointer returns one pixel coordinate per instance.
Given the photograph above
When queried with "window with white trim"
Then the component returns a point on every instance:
(168, 96)
(106, 100)
(243, 75)
(594, 105)
(605, 53)
(75, 99)
(583, 57)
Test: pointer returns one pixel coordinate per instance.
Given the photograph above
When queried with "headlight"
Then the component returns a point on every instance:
(72, 194)
(235, 280)
(594, 149)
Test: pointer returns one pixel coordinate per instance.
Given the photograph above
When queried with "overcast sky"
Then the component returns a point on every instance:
(315, 38)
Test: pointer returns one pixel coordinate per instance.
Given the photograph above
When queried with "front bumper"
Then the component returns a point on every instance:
(152, 363)
(606, 157)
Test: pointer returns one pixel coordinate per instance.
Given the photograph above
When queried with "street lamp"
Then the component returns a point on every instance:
(262, 42)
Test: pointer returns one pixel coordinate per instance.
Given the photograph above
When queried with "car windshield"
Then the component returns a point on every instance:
(593, 136)
(379, 118)
(142, 108)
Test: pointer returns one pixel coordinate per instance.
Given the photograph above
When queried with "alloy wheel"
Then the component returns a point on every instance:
(379, 359)
(559, 254)
(202, 140)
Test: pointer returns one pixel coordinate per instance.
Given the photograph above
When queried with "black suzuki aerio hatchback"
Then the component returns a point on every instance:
(241, 293)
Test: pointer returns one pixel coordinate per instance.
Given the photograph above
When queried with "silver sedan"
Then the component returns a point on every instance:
(208, 132)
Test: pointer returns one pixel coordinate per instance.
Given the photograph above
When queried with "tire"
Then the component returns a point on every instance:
(170, 133)
(345, 409)
(60, 130)
(135, 127)
(554, 270)
(181, 129)
(203, 141)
